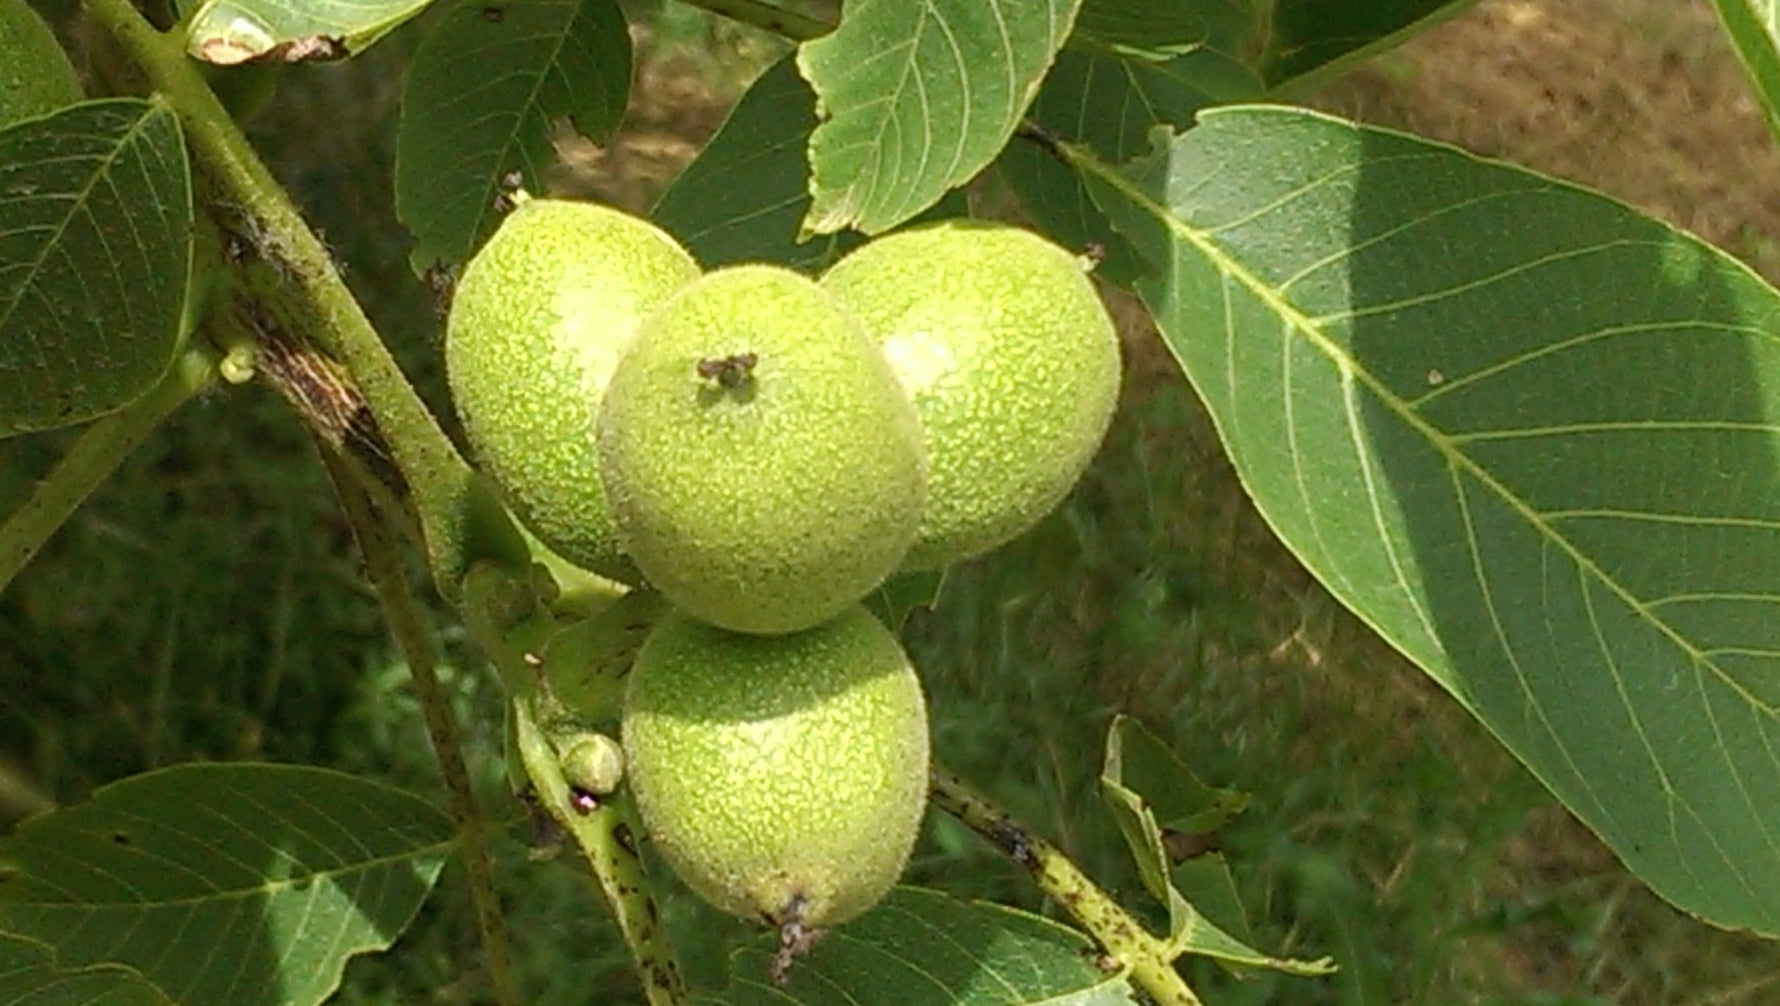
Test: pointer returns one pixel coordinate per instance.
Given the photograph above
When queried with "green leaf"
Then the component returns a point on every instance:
(916, 97)
(924, 948)
(1310, 41)
(1149, 790)
(1111, 104)
(1139, 29)
(1754, 29)
(37, 77)
(28, 974)
(95, 250)
(224, 884)
(235, 31)
(478, 105)
(744, 197)
(1527, 434)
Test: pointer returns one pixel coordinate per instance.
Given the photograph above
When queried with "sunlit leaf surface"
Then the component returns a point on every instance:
(224, 884)
(916, 97)
(1529, 435)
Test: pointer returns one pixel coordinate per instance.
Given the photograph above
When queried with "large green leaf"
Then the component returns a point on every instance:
(29, 975)
(479, 102)
(924, 948)
(1527, 434)
(1309, 41)
(744, 197)
(235, 31)
(1754, 29)
(95, 250)
(916, 97)
(224, 884)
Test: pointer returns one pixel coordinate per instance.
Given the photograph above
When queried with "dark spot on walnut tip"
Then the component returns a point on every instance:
(796, 938)
(120, 838)
(493, 13)
(506, 198)
(730, 372)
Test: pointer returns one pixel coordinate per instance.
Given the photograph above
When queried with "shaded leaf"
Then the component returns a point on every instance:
(224, 884)
(743, 199)
(227, 32)
(1148, 789)
(1139, 29)
(95, 250)
(924, 948)
(1111, 104)
(1527, 434)
(1754, 29)
(35, 75)
(478, 106)
(1309, 41)
(906, 121)
(28, 974)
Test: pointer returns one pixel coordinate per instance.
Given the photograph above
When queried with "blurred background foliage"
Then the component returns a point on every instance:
(206, 604)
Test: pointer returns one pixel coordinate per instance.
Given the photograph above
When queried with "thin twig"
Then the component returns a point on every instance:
(383, 565)
(1123, 938)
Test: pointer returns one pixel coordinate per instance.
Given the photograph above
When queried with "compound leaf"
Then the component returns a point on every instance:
(1526, 433)
(478, 106)
(223, 884)
(924, 948)
(95, 251)
(916, 97)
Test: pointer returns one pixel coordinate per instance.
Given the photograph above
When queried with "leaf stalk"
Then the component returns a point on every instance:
(383, 565)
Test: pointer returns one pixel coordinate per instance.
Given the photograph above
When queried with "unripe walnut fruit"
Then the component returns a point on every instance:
(538, 323)
(764, 466)
(1011, 361)
(782, 777)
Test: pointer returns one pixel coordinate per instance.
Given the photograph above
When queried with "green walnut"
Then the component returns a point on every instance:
(538, 323)
(783, 778)
(763, 464)
(35, 75)
(1012, 364)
